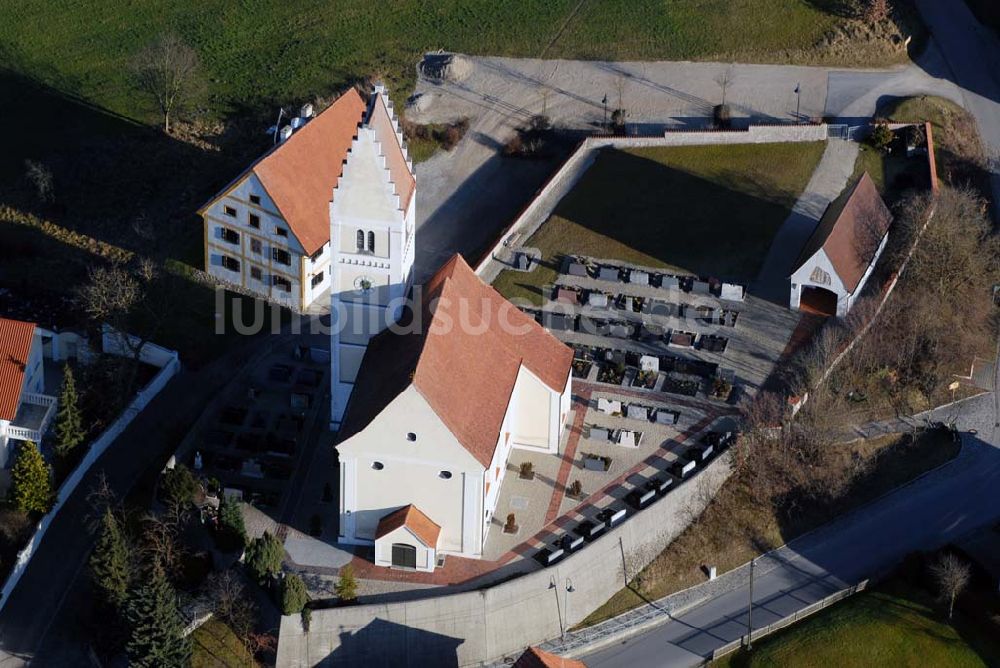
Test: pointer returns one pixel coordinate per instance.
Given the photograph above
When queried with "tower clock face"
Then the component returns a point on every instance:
(363, 283)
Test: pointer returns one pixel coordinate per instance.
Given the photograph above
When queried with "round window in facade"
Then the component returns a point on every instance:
(378, 466)
(445, 475)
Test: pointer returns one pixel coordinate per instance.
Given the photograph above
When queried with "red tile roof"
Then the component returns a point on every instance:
(850, 231)
(466, 373)
(413, 519)
(536, 658)
(399, 168)
(15, 347)
(300, 173)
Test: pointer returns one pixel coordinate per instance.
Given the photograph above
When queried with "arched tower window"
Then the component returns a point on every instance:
(361, 240)
(371, 242)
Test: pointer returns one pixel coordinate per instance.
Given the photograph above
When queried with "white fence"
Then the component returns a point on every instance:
(169, 368)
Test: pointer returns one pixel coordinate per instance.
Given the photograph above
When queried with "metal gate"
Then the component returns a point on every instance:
(838, 131)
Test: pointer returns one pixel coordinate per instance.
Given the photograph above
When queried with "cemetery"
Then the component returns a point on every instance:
(636, 327)
(248, 448)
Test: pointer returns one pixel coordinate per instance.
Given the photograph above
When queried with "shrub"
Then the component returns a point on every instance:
(527, 471)
(31, 480)
(881, 137)
(264, 556)
(178, 486)
(232, 532)
(293, 595)
(347, 585)
(576, 488)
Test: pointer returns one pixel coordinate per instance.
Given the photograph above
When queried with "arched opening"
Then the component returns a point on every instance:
(371, 242)
(361, 240)
(818, 300)
(404, 555)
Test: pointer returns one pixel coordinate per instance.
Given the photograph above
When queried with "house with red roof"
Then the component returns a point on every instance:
(439, 402)
(25, 411)
(838, 259)
(269, 230)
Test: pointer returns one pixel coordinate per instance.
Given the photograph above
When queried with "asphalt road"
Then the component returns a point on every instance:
(932, 511)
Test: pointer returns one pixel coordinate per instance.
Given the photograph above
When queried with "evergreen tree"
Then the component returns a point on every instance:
(264, 556)
(69, 423)
(31, 480)
(232, 530)
(293, 595)
(347, 585)
(109, 562)
(155, 626)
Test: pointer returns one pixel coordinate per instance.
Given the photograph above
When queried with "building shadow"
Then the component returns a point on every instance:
(385, 644)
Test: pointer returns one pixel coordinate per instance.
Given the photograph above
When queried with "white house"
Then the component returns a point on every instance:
(371, 223)
(434, 415)
(268, 231)
(839, 257)
(25, 411)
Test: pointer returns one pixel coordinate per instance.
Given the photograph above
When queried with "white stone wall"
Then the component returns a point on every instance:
(489, 624)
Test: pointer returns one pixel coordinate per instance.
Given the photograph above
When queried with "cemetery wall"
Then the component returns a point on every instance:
(490, 624)
(540, 208)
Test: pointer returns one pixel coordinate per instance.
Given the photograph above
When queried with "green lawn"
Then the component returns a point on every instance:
(268, 50)
(700, 209)
(894, 625)
(216, 646)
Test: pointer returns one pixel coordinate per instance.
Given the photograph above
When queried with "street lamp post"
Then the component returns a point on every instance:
(569, 590)
(753, 564)
(605, 103)
(798, 102)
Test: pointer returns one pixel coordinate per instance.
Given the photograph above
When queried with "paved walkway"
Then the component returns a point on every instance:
(827, 182)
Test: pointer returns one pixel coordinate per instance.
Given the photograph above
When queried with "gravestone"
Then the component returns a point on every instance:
(608, 274)
(637, 412)
(732, 292)
(577, 269)
(597, 300)
(638, 278)
(649, 363)
(700, 288)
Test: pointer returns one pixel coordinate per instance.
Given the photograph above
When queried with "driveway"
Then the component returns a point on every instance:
(938, 508)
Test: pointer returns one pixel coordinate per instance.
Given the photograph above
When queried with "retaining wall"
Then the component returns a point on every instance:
(497, 622)
(541, 206)
(169, 368)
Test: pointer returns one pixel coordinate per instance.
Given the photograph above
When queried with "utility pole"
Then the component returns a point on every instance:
(753, 564)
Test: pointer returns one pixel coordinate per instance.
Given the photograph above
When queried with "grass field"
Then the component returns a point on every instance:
(734, 528)
(216, 646)
(893, 625)
(699, 209)
(266, 51)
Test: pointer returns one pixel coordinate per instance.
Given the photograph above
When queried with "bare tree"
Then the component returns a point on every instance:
(952, 576)
(40, 177)
(168, 70)
(876, 11)
(725, 79)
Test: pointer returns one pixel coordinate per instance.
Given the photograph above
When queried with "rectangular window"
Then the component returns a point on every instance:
(317, 279)
(281, 256)
(256, 246)
(281, 283)
(281, 231)
(256, 274)
(315, 256)
(232, 236)
(230, 211)
(230, 263)
(255, 199)
(254, 220)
